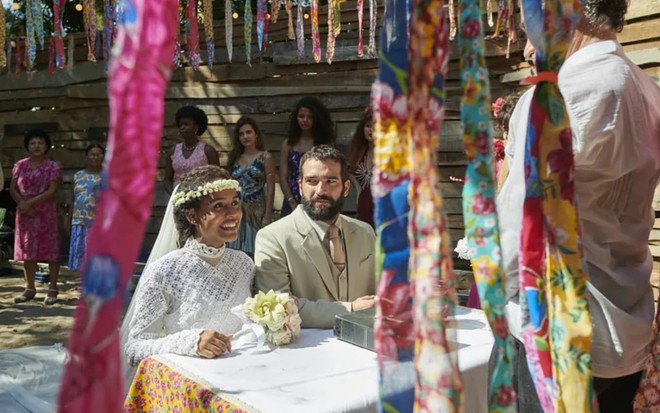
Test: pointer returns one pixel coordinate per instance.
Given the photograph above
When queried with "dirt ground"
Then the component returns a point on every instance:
(33, 323)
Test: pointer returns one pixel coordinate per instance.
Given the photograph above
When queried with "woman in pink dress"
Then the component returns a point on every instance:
(192, 152)
(34, 183)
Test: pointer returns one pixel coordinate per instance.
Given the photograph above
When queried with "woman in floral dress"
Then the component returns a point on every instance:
(253, 167)
(35, 181)
(310, 125)
(86, 184)
(360, 158)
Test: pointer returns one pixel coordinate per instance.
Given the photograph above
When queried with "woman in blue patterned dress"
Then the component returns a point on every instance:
(253, 167)
(86, 184)
(310, 125)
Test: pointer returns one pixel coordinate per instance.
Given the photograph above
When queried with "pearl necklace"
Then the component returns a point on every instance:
(189, 149)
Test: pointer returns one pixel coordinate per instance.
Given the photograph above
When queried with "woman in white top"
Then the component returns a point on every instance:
(183, 301)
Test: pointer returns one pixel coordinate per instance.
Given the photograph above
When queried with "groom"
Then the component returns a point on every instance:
(320, 256)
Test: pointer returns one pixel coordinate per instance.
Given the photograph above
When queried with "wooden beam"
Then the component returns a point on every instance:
(642, 8)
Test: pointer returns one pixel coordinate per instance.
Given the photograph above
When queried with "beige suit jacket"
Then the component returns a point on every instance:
(289, 257)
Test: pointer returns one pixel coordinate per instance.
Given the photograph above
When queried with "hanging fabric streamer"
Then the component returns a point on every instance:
(247, 31)
(192, 34)
(262, 9)
(373, 12)
(506, 20)
(289, 13)
(489, 12)
(394, 333)
(89, 20)
(34, 25)
(479, 215)
(360, 10)
(275, 10)
(207, 10)
(176, 59)
(138, 76)
(647, 399)
(452, 19)
(438, 385)
(554, 311)
(3, 38)
(316, 37)
(229, 29)
(334, 27)
(108, 27)
(300, 33)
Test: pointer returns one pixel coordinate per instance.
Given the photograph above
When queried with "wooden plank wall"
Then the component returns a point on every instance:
(76, 100)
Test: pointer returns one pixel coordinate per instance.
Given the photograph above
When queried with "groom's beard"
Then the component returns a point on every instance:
(321, 212)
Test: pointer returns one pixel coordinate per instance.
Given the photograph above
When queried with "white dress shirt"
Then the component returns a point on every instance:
(614, 110)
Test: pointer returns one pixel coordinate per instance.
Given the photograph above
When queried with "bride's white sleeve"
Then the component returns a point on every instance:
(145, 330)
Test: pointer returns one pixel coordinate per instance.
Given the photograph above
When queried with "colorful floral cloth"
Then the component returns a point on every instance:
(156, 387)
(37, 237)
(553, 280)
(86, 186)
(648, 394)
(394, 332)
(481, 225)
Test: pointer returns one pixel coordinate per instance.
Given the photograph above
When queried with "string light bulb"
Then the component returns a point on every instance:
(234, 15)
(306, 16)
(15, 5)
(79, 7)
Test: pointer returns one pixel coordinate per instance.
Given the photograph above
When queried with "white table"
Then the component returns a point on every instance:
(320, 373)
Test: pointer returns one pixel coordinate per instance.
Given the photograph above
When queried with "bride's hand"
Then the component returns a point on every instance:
(211, 344)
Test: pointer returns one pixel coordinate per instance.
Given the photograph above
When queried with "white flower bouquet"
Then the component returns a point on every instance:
(277, 313)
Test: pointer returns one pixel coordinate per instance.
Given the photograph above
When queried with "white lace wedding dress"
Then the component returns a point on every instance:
(183, 293)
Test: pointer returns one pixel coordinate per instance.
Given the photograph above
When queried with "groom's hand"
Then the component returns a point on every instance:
(212, 344)
(364, 302)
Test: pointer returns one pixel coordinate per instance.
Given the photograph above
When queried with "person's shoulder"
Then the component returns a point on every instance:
(361, 226)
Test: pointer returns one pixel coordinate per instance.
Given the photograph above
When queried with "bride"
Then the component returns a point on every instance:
(183, 301)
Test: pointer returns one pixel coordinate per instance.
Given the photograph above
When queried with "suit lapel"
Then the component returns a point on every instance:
(353, 253)
(313, 247)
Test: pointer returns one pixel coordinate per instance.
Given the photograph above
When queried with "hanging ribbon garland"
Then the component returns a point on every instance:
(89, 20)
(229, 29)
(479, 215)
(108, 27)
(556, 322)
(334, 28)
(247, 31)
(438, 387)
(289, 13)
(275, 10)
(300, 33)
(261, 24)
(192, 34)
(360, 11)
(506, 20)
(394, 334)
(373, 11)
(316, 37)
(34, 25)
(207, 11)
(138, 77)
(3, 38)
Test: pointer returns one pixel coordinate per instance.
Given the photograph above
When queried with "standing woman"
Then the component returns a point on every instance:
(86, 185)
(192, 152)
(360, 158)
(253, 167)
(310, 125)
(34, 183)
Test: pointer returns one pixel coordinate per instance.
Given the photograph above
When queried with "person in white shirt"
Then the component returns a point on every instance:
(614, 110)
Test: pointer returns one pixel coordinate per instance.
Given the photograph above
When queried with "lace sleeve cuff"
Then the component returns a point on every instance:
(183, 343)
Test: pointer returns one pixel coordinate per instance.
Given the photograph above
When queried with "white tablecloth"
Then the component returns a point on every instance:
(320, 373)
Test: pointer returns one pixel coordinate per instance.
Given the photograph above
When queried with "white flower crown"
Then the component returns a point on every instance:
(204, 190)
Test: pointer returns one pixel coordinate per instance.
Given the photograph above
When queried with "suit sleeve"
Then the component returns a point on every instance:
(272, 273)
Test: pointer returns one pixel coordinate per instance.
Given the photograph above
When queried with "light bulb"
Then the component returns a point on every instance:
(79, 7)
(235, 15)
(267, 16)
(306, 16)
(15, 6)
